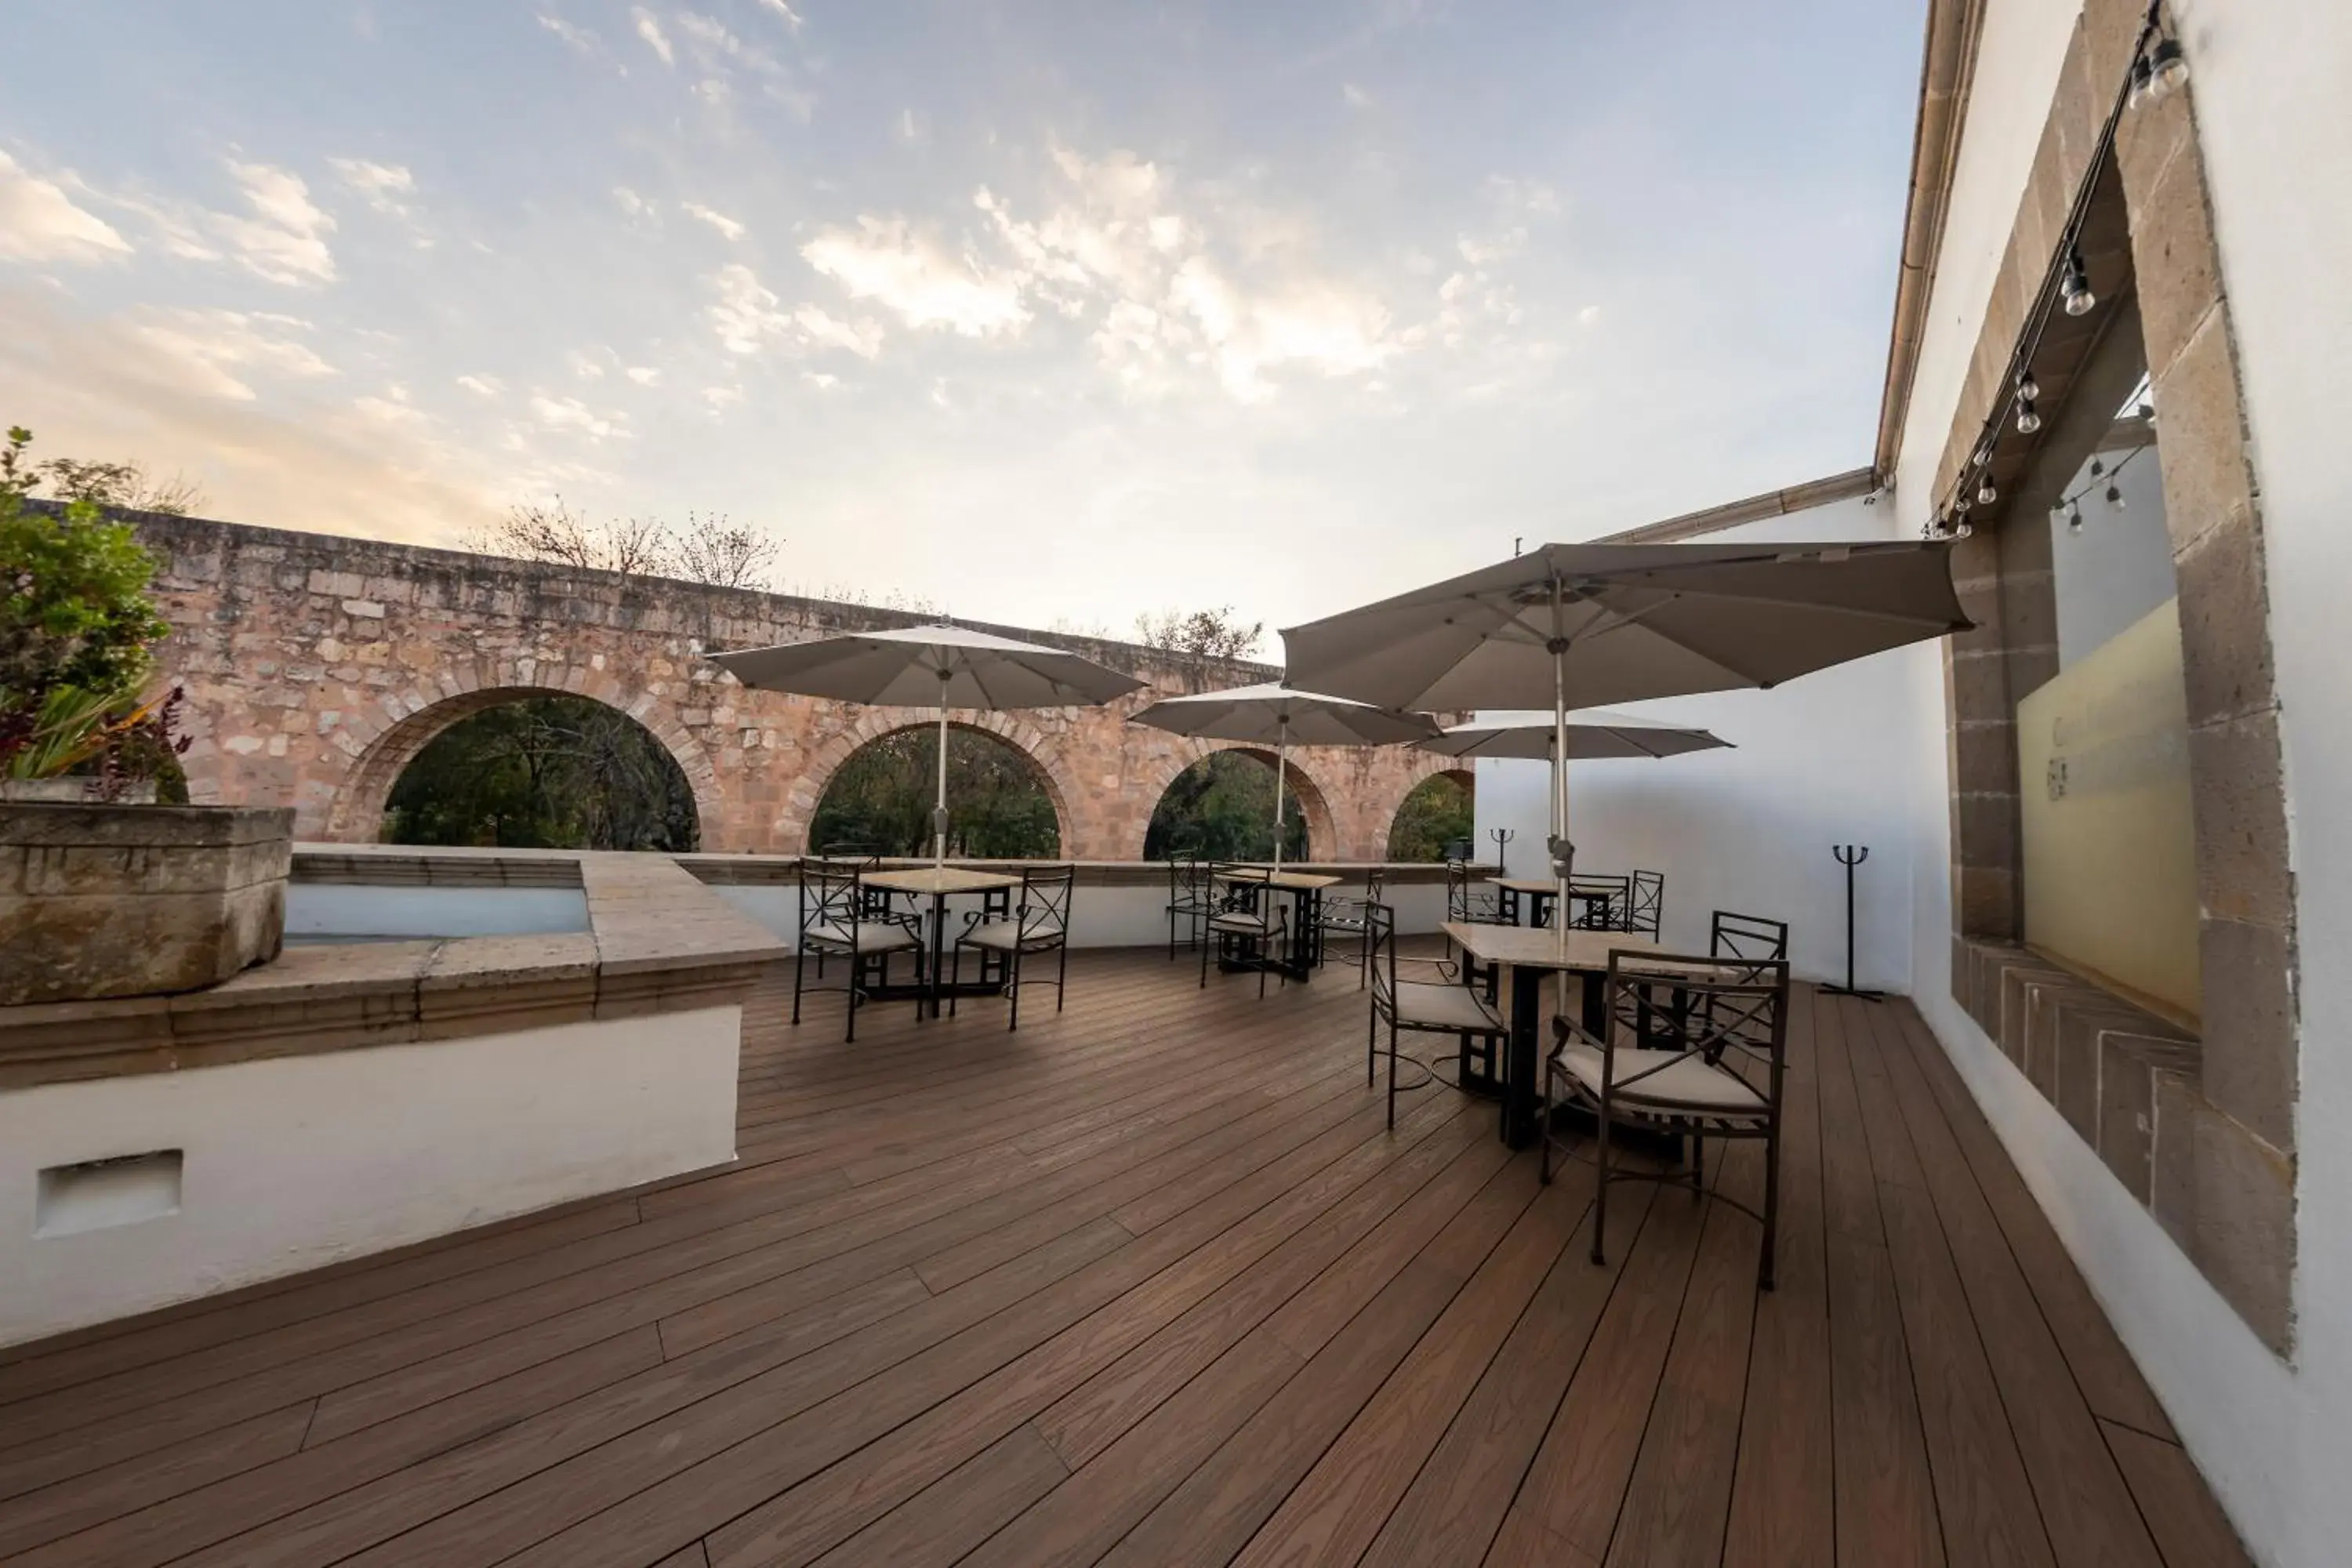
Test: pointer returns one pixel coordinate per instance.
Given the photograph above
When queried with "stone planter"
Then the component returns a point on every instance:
(131, 901)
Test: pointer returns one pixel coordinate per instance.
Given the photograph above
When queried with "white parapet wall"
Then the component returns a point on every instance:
(134, 1191)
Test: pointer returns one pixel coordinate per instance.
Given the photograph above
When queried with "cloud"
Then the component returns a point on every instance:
(649, 29)
(912, 275)
(1354, 96)
(820, 380)
(382, 184)
(39, 222)
(569, 415)
(482, 385)
(1587, 316)
(719, 397)
(635, 205)
(284, 241)
(644, 374)
(584, 365)
(746, 315)
(791, 17)
(214, 351)
(579, 38)
(717, 220)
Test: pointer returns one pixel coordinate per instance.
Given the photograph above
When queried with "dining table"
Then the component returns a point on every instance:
(1306, 889)
(1525, 954)
(939, 883)
(1538, 892)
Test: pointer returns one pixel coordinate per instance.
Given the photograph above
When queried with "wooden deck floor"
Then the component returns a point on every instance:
(1150, 1283)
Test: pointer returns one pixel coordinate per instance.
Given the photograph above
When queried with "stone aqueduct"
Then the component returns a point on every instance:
(316, 667)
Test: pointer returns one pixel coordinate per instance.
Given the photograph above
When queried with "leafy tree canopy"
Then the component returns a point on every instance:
(565, 773)
(1437, 813)
(707, 549)
(1206, 634)
(1221, 808)
(880, 800)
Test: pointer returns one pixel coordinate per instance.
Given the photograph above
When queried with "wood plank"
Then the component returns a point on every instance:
(2189, 1527)
(978, 1498)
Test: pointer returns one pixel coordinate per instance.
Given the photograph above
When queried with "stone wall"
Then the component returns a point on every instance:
(316, 667)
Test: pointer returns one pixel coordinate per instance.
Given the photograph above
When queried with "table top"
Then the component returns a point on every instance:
(1297, 881)
(936, 879)
(1528, 947)
(1536, 885)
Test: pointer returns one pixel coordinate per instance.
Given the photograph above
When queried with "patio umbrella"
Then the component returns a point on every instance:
(1273, 714)
(1588, 624)
(1593, 732)
(931, 666)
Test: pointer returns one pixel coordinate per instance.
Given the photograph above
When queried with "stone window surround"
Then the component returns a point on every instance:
(2201, 1132)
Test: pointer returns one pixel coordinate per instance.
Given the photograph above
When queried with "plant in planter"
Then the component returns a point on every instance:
(99, 897)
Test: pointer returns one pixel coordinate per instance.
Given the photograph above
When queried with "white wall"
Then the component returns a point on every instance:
(2272, 1438)
(349, 910)
(295, 1162)
(1826, 759)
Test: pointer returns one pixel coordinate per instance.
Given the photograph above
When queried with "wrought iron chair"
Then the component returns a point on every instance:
(837, 919)
(1708, 1064)
(1245, 914)
(1350, 920)
(1464, 900)
(1038, 922)
(1598, 902)
(1189, 897)
(1438, 1006)
(1751, 937)
(1645, 904)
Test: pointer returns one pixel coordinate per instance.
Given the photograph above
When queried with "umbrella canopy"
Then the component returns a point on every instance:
(1274, 715)
(1588, 624)
(1638, 621)
(1594, 733)
(931, 666)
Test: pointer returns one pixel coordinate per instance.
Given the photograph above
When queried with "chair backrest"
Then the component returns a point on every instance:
(831, 892)
(856, 849)
(1751, 938)
(1380, 961)
(1188, 877)
(1457, 889)
(1646, 903)
(1599, 902)
(1732, 1011)
(1374, 881)
(1045, 898)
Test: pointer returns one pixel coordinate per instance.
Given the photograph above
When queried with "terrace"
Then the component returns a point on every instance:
(1148, 1283)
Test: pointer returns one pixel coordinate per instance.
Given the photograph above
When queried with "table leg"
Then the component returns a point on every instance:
(938, 934)
(1521, 1102)
(1307, 939)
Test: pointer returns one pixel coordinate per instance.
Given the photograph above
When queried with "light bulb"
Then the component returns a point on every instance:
(1986, 494)
(2028, 421)
(2073, 517)
(2075, 287)
(1961, 505)
(1963, 531)
(1984, 456)
(2142, 77)
(2027, 387)
(2115, 497)
(2097, 468)
(2168, 68)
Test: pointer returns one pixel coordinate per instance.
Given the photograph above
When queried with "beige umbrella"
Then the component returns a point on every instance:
(926, 667)
(1275, 715)
(1591, 732)
(1587, 624)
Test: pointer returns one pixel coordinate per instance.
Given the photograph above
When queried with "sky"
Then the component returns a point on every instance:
(1049, 313)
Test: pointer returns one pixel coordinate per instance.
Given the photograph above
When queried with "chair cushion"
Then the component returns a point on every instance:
(1426, 1004)
(871, 936)
(1683, 1080)
(997, 935)
(1241, 922)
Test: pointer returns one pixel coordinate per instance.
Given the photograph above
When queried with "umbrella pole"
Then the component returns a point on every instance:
(1563, 853)
(1281, 770)
(940, 807)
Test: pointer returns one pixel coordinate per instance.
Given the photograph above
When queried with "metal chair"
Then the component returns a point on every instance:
(1750, 937)
(1349, 917)
(1038, 922)
(1239, 916)
(1645, 906)
(1465, 902)
(1598, 902)
(839, 918)
(1708, 1064)
(1188, 898)
(1442, 1006)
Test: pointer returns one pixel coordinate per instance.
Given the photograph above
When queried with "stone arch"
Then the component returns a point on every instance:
(1324, 836)
(1044, 752)
(385, 737)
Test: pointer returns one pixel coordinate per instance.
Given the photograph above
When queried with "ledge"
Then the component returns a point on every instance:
(658, 941)
(739, 871)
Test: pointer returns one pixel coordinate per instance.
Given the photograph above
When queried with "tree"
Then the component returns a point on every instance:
(880, 799)
(1436, 813)
(565, 772)
(1206, 634)
(110, 487)
(77, 630)
(709, 549)
(1221, 808)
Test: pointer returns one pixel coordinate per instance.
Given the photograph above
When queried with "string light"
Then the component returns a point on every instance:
(2167, 68)
(1986, 494)
(2028, 421)
(2074, 289)
(2073, 517)
(2115, 497)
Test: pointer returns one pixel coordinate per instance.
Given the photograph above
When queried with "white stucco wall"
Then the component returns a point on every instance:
(295, 1162)
(1826, 759)
(2272, 1438)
